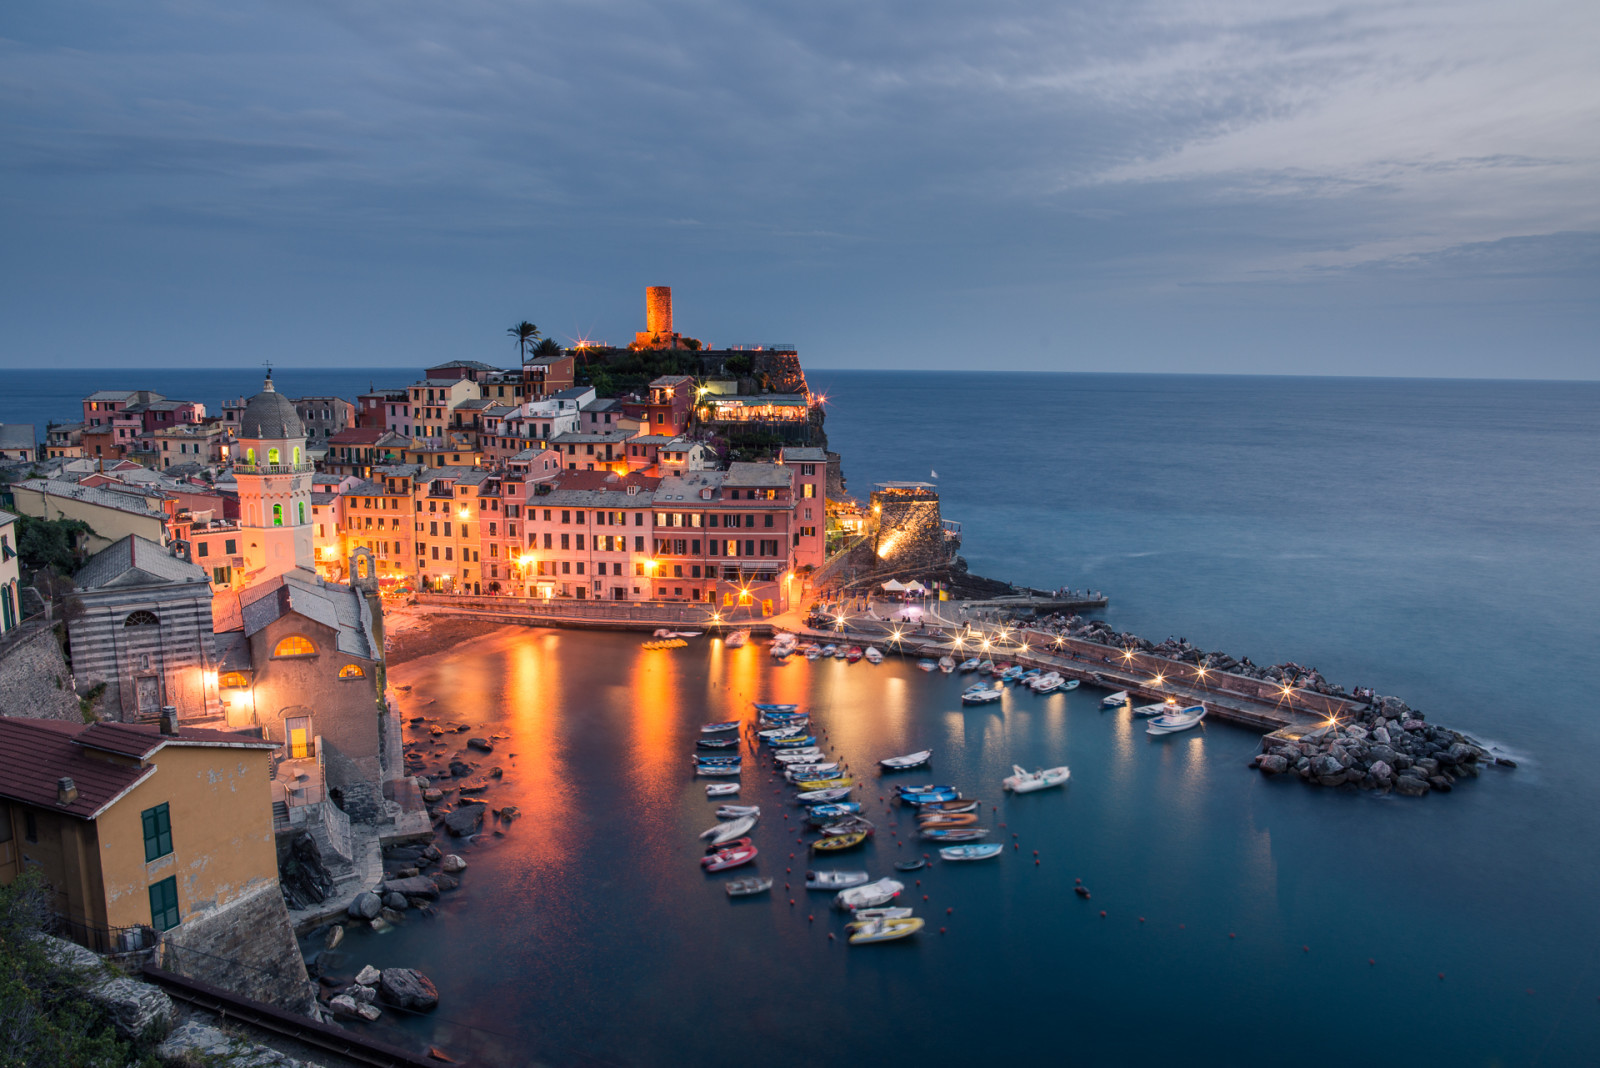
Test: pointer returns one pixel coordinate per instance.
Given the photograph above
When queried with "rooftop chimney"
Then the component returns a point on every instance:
(169, 720)
(66, 790)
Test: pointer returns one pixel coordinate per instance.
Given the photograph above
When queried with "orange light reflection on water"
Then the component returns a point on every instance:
(545, 790)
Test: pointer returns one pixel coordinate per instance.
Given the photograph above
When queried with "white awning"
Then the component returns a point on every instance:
(893, 586)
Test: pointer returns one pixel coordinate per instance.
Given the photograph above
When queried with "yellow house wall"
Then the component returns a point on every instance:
(108, 524)
(64, 855)
(222, 844)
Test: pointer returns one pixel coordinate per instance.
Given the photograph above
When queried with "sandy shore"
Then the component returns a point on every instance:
(412, 632)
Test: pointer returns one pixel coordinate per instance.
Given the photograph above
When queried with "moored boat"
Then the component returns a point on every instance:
(922, 797)
(715, 728)
(823, 797)
(1160, 709)
(838, 808)
(847, 825)
(728, 832)
(747, 887)
(955, 834)
(947, 819)
(724, 859)
(713, 771)
(986, 667)
(835, 880)
(1022, 781)
(722, 789)
(886, 930)
(871, 895)
(873, 655)
(838, 842)
(892, 913)
(910, 760)
(1173, 722)
(947, 664)
(966, 805)
(910, 865)
(775, 710)
(971, 852)
(982, 695)
(968, 665)
(734, 812)
(927, 665)
(717, 743)
(812, 785)
(1114, 700)
(735, 639)
(854, 654)
(796, 742)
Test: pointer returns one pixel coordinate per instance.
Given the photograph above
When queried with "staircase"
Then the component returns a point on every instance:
(280, 815)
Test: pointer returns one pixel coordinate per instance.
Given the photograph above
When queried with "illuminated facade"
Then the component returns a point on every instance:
(273, 475)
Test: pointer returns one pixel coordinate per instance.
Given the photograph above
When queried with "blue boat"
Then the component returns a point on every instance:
(707, 758)
(1031, 673)
(838, 808)
(714, 728)
(774, 711)
(923, 788)
(928, 797)
(793, 743)
(970, 852)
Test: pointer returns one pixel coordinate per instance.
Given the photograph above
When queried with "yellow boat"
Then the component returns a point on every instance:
(824, 784)
(667, 643)
(885, 930)
(839, 841)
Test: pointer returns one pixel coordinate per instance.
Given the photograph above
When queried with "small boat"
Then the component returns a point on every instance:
(824, 797)
(665, 643)
(841, 653)
(1011, 674)
(804, 778)
(1173, 722)
(871, 895)
(835, 880)
(947, 819)
(1115, 700)
(736, 639)
(737, 843)
(733, 812)
(813, 652)
(923, 797)
(955, 834)
(886, 930)
(982, 695)
(728, 832)
(854, 654)
(729, 858)
(840, 808)
(910, 865)
(1046, 683)
(803, 755)
(986, 667)
(867, 915)
(782, 652)
(792, 743)
(830, 650)
(1025, 782)
(707, 760)
(927, 665)
(921, 788)
(968, 665)
(947, 664)
(837, 842)
(775, 710)
(778, 734)
(716, 770)
(873, 655)
(717, 743)
(847, 825)
(677, 634)
(1161, 709)
(813, 785)
(715, 728)
(1027, 677)
(910, 760)
(969, 805)
(971, 852)
(802, 770)
(746, 887)
(1071, 684)
(722, 789)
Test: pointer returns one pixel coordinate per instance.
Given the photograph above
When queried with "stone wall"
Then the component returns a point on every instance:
(781, 371)
(910, 533)
(246, 946)
(34, 679)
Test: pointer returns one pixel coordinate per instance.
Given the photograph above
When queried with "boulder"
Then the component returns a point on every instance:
(483, 745)
(394, 917)
(445, 882)
(1338, 778)
(409, 989)
(460, 770)
(1504, 762)
(334, 936)
(344, 1005)
(136, 1009)
(421, 904)
(452, 864)
(511, 812)
(1410, 786)
(1274, 765)
(432, 796)
(1381, 772)
(365, 906)
(1381, 735)
(1462, 753)
(1440, 783)
(1382, 752)
(380, 925)
(368, 976)
(432, 852)
(416, 886)
(465, 820)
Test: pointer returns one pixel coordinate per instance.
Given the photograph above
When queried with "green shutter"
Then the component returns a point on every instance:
(157, 832)
(164, 904)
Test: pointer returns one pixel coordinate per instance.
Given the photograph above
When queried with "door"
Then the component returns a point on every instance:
(148, 691)
(298, 732)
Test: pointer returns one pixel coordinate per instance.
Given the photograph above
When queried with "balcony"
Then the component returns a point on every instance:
(273, 469)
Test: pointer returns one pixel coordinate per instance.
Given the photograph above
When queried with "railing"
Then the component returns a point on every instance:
(103, 939)
(698, 613)
(273, 469)
(337, 824)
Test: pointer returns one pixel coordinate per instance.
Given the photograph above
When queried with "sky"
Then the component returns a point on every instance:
(1234, 186)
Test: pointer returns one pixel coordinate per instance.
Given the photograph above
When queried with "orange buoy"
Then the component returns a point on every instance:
(791, 902)
(1141, 919)
(1077, 880)
(1232, 935)
(1035, 852)
(949, 911)
(1102, 914)
(924, 897)
(941, 930)
(811, 919)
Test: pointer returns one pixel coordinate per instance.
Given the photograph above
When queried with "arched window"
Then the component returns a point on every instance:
(277, 515)
(295, 645)
(272, 456)
(352, 671)
(250, 456)
(302, 507)
(297, 454)
(141, 619)
(233, 680)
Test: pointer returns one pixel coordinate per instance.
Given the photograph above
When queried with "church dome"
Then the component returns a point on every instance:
(271, 416)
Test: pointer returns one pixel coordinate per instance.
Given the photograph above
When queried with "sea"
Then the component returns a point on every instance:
(1436, 540)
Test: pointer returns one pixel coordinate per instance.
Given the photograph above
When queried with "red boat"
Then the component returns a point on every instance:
(737, 843)
(854, 654)
(728, 858)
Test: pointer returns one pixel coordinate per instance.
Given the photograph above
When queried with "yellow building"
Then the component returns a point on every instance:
(111, 515)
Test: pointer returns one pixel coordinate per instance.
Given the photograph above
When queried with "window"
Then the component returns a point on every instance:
(352, 671)
(250, 456)
(164, 904)
(295, 645)
(233, 680)
(272, 456)
(277, 515)
(140, 619)
(157, 832)
(768, 518)
(230, 546)
(302, 507)
(203, 549)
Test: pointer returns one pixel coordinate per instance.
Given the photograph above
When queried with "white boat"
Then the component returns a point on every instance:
(733, 812)
(1071, 684)
(947, 664)
(829, 650)
(927, 665)
(910, 760)
(811, 772)
(1025, 782)
(745, 887)
(865, 915)
(835, 880)
(813, 653)
(1173, 722)
(727, 832)
(793, 730)
(805, 754)
(982, 695)
(1115, 700)
(1156, 709)
(873, 655)
(971, 852)
(722, 789)
(717, 771)
(869, 895)
(663, 633)
(736, 638)
(1047, 683)
(968, 665)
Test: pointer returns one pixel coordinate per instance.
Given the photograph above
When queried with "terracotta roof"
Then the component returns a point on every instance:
(141, 740)
(34, 753)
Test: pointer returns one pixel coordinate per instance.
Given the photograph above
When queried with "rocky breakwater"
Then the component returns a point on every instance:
(1387, 747)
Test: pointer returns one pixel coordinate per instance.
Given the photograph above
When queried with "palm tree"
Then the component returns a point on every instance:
(526, 334)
